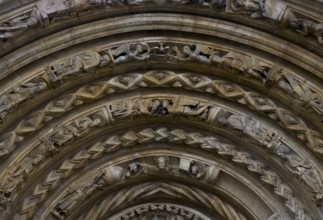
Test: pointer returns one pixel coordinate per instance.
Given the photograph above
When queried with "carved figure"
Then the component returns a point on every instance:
(86, 62)
(26, 165)
(160, 107)
(139, 51)
(302, 169)
(307, 27)
(64, 134)
(82, 192)
(255, 6)
(134, 169)
(199, 171)
(195, 109)
(20, 24)
(194, 53)
(18, 95)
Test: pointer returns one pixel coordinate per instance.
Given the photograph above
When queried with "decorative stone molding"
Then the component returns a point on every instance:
(87, 63)
(211, 201)
(131, 138)
(159, 210)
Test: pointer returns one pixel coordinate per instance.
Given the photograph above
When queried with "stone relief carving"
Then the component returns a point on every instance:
(18, 95)
(302, 169)
(20, 24)
(273, 9)
(307, 27)
(88, 62)
(177, 190)
(249, 128)
(158, 211)
(97, 180)
(86, 187)
(246, 126)
(136, 167)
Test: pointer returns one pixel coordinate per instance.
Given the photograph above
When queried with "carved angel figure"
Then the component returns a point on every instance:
(255, 6)
(307, 27)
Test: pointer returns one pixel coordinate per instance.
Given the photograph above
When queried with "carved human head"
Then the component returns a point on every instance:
(194, 169)
(133, 167)
(162, 162)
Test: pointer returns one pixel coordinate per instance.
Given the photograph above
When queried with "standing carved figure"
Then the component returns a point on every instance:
(307, 27)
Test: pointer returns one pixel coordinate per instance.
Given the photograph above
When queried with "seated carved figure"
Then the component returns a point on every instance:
(307, 27)
(255, 6)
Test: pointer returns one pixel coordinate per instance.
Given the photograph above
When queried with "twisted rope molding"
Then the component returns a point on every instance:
(211, 201)
(177, 136)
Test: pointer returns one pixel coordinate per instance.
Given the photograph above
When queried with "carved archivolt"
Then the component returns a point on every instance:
(162, 210)
(56, 74)
(188, 81)
(178, 136)
(211, 201)
(271, 47)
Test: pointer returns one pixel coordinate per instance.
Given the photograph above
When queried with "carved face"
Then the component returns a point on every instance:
(133, 167)
(161, 163)
(194, 170)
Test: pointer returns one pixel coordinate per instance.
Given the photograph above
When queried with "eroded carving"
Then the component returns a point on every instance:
(307, 27)
(134, 168)
(302, 169)
(177, 190)
(19, 94)
(18, 25)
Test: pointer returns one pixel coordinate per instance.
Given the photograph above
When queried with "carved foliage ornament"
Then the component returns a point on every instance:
(190, 168)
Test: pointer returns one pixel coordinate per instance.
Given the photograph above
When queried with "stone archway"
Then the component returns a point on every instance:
(171, 109)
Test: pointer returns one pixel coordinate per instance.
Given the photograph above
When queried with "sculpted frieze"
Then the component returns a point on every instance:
(127, 109)
(162, 164)
(107, 176)
(87, 63)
